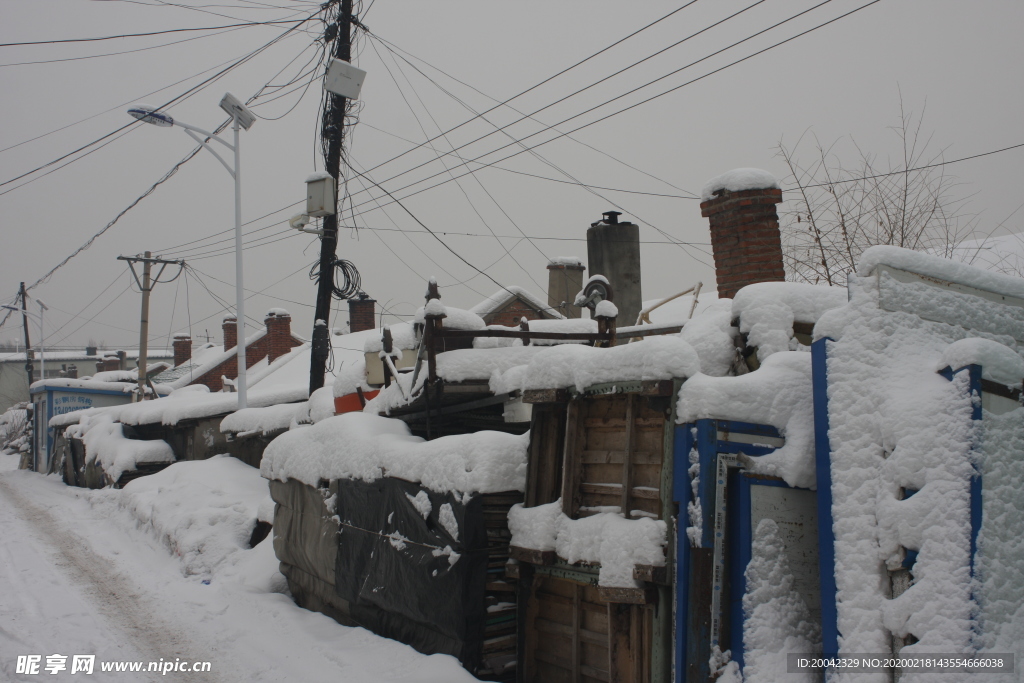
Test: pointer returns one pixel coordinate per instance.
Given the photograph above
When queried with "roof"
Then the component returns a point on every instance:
(19, 356)
(503, 296)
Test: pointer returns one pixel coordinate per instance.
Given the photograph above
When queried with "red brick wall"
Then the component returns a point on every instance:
(230, 327)
(182, 350)
(361, 315)
(745, 238)
(277, 342)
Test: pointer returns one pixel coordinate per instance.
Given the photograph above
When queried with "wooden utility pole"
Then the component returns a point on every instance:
(146, 285)
(332, 133)
(24, 322)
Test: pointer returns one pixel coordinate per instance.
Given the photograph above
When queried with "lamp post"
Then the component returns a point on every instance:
(241, 118)
(42, 363)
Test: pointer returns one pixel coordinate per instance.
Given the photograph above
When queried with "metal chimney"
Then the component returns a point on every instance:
(613, 250)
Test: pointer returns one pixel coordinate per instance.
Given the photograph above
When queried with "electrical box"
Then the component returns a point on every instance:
(344, 79)
(320, 195)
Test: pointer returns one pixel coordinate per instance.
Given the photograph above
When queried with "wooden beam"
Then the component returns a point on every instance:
(629, 596)
(531, 556)
(627, 456)
(572, 468)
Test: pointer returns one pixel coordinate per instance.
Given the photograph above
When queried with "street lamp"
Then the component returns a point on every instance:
(42, 359)
(242, 118)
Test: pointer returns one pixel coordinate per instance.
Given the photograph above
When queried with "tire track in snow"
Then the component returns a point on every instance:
(115, 596)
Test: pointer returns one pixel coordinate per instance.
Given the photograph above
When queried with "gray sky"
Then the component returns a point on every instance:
(957, 61)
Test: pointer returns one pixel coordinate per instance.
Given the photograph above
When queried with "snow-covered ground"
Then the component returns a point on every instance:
(92, 572)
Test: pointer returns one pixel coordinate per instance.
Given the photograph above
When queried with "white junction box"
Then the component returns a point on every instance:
(320, 195)
(344, 79)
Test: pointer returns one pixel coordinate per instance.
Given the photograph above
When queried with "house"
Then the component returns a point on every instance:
(65, 364)
(793, 469)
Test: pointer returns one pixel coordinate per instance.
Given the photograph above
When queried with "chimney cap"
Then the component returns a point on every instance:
(610, 218)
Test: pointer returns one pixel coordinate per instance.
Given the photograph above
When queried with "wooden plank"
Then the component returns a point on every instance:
(593, 672)
(576, 634)
(629, 596)
(627, 457)
(531, 556)
(620, 650)
(545, 396)
(615, 457)
(651, 574)
(571, 466)
(647, 492)
(601, 489)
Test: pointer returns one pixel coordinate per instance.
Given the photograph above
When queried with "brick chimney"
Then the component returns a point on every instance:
(745, 236)
(361, 314)
(230, 327)
(279, 332)
(108, 364)
(182, 348)
(565, 279)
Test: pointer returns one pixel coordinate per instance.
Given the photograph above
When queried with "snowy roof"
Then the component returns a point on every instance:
(501, 298)
(939, 268)
(55, 356)
(363, 446)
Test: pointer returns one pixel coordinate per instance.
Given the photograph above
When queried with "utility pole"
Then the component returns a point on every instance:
(146, 285)
(24, 321)
(332, 132)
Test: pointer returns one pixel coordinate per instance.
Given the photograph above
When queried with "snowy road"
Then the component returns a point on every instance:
(77, 576)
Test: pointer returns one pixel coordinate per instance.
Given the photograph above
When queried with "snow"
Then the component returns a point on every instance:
(605, 309)
(615, 543)
(204, 511)
(351, 376)
(565, 261)
(264, 421)
(80, 574)
(767, 311)
(578, 366)
(403, 336)
(319, 175)
(712, 336)
(368, 447)
(464, 364)
(998, 362)
(777, 620)
(106, 445)
(897, 425)
(940, 268)
(454, 318)
(738, 180)
(278, 313)
(421, 501)
(182, 335)
(778, 394)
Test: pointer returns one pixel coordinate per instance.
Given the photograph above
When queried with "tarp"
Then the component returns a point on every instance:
(394, 570)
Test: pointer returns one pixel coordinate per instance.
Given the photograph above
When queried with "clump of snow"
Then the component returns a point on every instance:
(433, 308)
(182, 335)
(319, 175)
(321, 404)
(607, 538)
(712, 336)
(779, 394)
(564, 325)
(464, 364)
(777, 620)
(368, 447)
(204, 511)
(577, 366)
(351, 376)
(940, 268)
(565, 261)
(403, 336)
(738, 180)
(421, 501)
(605, 309)
(767, 311)
(262, 420)
(998, 363)
(106, 445)
(278, 313)
(447, 518)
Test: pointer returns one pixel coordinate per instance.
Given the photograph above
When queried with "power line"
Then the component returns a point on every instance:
(150, 33)
(910, 170)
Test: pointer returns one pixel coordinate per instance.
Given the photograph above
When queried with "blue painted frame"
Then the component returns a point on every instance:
(681, 447)
(823, 473)
(49, 391)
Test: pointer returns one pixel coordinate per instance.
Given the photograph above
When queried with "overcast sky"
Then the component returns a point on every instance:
(958, 62)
